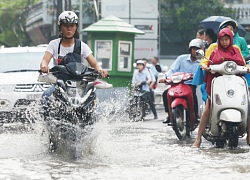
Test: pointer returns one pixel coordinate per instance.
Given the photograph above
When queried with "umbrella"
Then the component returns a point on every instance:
(213, 22)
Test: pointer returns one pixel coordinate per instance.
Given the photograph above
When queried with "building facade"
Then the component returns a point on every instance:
(144, 14)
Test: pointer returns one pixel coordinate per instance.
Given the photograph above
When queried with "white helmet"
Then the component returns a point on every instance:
(196, 43)
(67, 17)
(140, 62)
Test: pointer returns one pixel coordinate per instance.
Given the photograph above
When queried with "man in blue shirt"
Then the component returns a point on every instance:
(187, 63)
(142, 75)
(152, 77)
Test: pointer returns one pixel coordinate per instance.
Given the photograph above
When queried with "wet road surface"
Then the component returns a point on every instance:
(119, 149)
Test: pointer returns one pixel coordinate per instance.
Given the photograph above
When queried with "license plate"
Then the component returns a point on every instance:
(33, 96)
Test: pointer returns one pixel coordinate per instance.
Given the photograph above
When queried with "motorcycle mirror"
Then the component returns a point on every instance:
(158, 68)
(199, 53)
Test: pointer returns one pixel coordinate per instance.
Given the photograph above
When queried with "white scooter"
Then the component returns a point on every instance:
(229, 108)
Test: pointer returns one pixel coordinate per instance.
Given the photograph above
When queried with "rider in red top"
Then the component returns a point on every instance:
(226, 51)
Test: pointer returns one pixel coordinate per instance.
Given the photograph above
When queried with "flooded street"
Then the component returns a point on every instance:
(119, 149)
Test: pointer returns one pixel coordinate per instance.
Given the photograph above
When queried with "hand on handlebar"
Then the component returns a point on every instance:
(162, 80)
(204, 67)
(104, 73)
(44, 68)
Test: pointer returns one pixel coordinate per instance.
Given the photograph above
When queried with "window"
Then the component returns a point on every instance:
(103, 53)
(124, 55)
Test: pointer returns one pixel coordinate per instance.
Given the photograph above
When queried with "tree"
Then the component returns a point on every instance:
(12, 22)
(185, 15)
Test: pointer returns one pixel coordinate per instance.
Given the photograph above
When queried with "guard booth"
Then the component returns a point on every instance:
(112, 42)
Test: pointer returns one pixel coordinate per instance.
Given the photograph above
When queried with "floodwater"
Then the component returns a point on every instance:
(119, 149)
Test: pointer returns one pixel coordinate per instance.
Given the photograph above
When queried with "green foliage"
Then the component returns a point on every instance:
(12, 22)
(185, 15)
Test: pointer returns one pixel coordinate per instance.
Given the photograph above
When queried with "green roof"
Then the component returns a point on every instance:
(112, 24)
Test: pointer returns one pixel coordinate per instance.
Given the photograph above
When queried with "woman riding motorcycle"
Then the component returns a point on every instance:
(225, 52)
(60, 47)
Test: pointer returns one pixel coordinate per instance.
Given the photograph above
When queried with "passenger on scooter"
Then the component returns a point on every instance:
(237, 40)
(226, 51)
(187, 63)
(142, 76)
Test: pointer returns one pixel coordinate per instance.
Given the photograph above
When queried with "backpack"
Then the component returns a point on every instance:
(75, 56)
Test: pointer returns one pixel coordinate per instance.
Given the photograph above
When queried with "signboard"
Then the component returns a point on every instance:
(118, 8)
(143, 14)
(145, 49)
(144, 9)
(150, 27)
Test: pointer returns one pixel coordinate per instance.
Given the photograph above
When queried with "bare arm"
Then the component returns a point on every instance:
(44, 65)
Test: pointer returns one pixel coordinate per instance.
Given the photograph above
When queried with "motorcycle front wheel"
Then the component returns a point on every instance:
(233, 134)
(180, 126)
(139, 114)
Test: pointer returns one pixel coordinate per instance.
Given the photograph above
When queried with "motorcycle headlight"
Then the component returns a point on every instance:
(176, 79)
(72, 92)
(230, 67)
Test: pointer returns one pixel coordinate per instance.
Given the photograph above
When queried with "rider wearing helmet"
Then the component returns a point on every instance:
(237, 40)
(141, 75)
(187, 63)
(69, 18)
(58, 48)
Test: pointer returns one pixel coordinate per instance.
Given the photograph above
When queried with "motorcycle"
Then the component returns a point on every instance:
(229, 109)
(181, 104)
(72, 108)
(138, 104)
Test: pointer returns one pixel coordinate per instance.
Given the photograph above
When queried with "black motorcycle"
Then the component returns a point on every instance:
(138, 104)
(71, 109)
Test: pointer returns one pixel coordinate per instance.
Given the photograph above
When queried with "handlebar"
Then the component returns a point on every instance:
(94, 73)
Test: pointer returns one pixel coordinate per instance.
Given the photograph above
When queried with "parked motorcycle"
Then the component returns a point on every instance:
(229, 109)
(72, 107)
(181, 104)
(138, 104)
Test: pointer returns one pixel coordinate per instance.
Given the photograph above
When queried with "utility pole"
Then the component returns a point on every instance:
(67, 5)
(58, 12)
(80, 19)
(70, 8)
